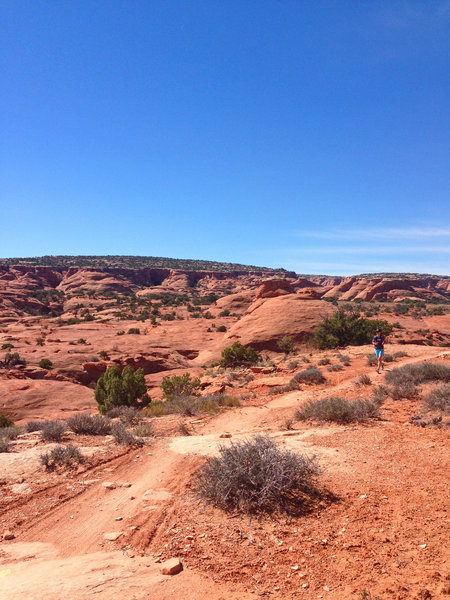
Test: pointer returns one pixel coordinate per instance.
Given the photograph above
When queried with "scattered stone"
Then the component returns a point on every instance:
(113, 536)
(295, 567)
(8, 535)
(363, 497)
(21, 488)
(126, 485)
(109, 485)
(225, 435)
(423, 546)
(118, 518)
(171, 566)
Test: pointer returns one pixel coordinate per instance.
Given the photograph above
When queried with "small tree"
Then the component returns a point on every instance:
(347, 327)
(179, 385)
(45, 363)
(120, 389)
(237, 354)
(286, 344)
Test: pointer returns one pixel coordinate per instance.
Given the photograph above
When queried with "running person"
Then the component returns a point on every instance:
(378, 344)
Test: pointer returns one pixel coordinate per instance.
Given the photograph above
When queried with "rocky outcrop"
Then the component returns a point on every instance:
(273, 288)
(268, 320)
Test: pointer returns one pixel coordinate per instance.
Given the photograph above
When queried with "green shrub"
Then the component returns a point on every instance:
(348, 328)
(237, 354)
(256, 476)
(221, 329)
(134, 330)
(120, 389)
(81, 341)
(40, 342)
(5, 421)
(45, 363)
(224, 313)
(103, 354)
(338, 410)
(144, 430)
(286, 344)
(179, 385)
(12, 359)
(7, 346)
(89, 425)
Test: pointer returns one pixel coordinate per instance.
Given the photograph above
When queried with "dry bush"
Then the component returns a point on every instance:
(379, 394)
(338, 410)
(5, 421)
(34, 426)
(4, 445)
(324, 361)
(191, 405)
(439, 399)
(67, 456)
(363, 379)
(144, 430)
(336, 367)
(309, 375)
(344, 358)
(405, 389)
(10, 433)
(419, 373)
(52, 431)
(89, 425)
(256, 476)
(127, 414)
(122, 436)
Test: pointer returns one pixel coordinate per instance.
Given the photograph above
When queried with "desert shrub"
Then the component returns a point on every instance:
(127, 414)
(284, 389)
(336, 367)
(103, 354)
(121, 332)
(45, 363)
(363, 379)
(419, 373)
(67, 456)
(404, 389)
(134, 331)
(224, 313)
(191, 405)
(121, 389)
(5, 446)
(52, 431)
(256, 476)
(372, 360)
(400, 354)
(89, 425)
(34, 426)
(292, 364)
(305, 359)
(40, 342)
(12, 359)
(5, 421)
(237, 354)
(309, 375)
(324, 361)
(221, 329)
(179, 385)
(144, 430)
(286, 344)
(73, 321)
(348, 328)
(81, 341)
(338, 410)
(7, 346)
(388, 357)
(439, 399)
(122, 436)
(10, 433)
(379, 394)
(183, 429)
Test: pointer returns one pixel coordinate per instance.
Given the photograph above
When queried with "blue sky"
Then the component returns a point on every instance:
(311, 135)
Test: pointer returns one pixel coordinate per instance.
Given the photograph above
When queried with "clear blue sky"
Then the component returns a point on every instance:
(312, 135)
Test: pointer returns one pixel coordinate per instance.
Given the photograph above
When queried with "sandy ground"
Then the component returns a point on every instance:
(380, 529)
